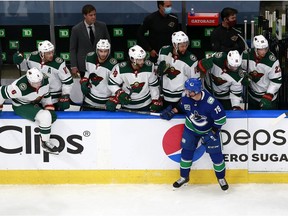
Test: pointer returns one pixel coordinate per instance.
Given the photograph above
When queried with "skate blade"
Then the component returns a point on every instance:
(184, 185)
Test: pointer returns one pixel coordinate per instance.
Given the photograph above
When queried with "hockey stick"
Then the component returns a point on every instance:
(279, 118)
(17, 51)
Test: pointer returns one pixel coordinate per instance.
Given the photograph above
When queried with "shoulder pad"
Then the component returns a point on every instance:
(59, 60)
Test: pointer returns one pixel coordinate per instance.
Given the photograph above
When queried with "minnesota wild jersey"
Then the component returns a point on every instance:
(21, 92)
(142, 85)
(181, 68)
(60, 78)
(265, 74)
(226, 84)
(99, 94)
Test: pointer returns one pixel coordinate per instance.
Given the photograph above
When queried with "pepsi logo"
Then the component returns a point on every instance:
(171, 144)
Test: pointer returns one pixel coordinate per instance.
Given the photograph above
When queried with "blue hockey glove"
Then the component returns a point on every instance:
(167, 113)
(210, 137)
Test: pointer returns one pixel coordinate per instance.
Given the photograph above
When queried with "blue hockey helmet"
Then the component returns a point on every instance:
(193, 85)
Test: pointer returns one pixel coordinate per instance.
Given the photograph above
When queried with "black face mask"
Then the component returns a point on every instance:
(232, 23)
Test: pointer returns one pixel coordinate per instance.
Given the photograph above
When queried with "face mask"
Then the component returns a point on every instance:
(167, 10)
(232, 23)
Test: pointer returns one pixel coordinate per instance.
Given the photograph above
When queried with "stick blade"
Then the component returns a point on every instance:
(278, 119)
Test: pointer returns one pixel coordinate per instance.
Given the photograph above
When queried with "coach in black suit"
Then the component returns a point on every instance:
(84, 37)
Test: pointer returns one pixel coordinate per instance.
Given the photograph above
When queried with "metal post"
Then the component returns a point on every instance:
(52, 23)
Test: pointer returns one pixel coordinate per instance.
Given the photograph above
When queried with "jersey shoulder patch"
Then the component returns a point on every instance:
(59, 60)
(210, 100)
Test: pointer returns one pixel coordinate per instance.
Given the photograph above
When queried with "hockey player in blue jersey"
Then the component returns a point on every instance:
(204, 119)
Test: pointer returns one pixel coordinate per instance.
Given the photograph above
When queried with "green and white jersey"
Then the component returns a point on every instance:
(99, 94)
(265, 73)
(226, 83)
(181, 68)
(22, 93)
(60, 78)
(143, 84)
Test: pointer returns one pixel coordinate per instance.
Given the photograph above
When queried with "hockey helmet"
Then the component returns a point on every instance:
(34, 75)
(234, 59)
(103, 44)
(193, 85)
(260, 42)
(45, 46)
(136, 52)
(179, 37)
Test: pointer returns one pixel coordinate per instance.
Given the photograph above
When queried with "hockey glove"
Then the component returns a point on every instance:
(85, 86)
(167, 113)
(111, 104)
(246, 79)
(162, 68)
(64, 102)
(95, 80)
(122, 97)
(211, 136)
(1, 107)
(266, 101)
(205, 64)
(17, 58)
(156, 105)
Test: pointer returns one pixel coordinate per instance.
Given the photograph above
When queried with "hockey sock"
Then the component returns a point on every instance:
(218, 165)
(186, 162)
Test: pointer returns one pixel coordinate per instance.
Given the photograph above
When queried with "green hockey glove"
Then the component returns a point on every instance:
(64, 102)
(85, 86)
(162, 68)
(17, 58)
(111, 104)
(266, 101)
(156, 105)
(122, 97)
(205, 64)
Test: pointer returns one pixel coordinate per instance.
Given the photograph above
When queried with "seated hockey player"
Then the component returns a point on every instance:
(94, 84)
(134, 84)
(263, 77)
(29, 94)
(224, 77)
(204, 118)
(54, 67)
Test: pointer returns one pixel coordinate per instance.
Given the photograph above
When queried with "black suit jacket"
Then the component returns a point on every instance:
(80, 43)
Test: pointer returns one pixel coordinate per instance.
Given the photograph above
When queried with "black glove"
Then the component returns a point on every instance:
(167, 113)
(17, 58)
(162, 68)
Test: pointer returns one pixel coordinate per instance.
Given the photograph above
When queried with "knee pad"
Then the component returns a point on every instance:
(44, 118)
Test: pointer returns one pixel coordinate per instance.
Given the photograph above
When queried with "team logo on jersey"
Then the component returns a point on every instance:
(193, 57)
(90, 53)
(59, 60)
(122, 64)
(198, 120)
(210, 100)
(137, 87)
(113, 61)
(187, 107)
(255, 76)
(218, 80)
(172, 73)
(171, 144)
(23, 86)
(272, 58)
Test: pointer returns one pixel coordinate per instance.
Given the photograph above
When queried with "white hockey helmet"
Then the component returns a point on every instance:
(179, 37)
(136, 52)
(234, 58)
(103, 44)
(260, 42)
(34, 75)
(45, 46)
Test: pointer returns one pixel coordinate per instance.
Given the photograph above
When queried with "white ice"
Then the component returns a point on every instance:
(144, 200)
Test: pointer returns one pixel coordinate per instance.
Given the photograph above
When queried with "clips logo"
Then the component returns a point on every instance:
(171, 144)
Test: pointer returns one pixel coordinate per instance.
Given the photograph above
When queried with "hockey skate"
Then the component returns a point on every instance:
(181, 181)
(49, 147)
(223, 184)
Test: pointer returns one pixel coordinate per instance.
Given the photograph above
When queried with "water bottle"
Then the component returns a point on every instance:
(192, 12)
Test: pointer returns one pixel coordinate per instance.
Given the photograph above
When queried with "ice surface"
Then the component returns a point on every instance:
(142, 200)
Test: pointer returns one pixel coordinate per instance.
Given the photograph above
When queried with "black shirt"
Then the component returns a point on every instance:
(160, 31)
(225, 40)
